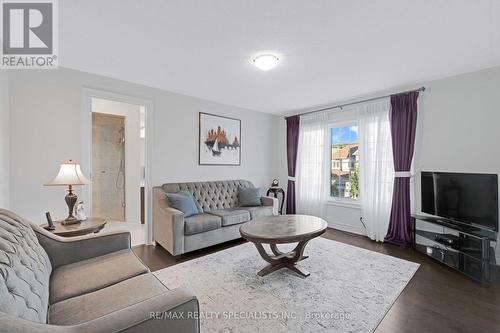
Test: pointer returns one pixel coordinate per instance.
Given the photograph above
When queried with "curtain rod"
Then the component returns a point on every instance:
(422, 89)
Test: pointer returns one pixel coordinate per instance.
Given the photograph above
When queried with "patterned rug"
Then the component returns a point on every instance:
(349, 290)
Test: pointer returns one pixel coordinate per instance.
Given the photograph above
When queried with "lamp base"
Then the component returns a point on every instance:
(70, 220)
(70, 199)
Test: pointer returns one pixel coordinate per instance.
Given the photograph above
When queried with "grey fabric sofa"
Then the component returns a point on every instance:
(218, 220)
(82, 284)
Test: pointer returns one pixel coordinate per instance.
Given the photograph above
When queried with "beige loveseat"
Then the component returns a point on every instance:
(218, 220)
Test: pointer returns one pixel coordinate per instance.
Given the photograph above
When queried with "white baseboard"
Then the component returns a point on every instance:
(348, 227)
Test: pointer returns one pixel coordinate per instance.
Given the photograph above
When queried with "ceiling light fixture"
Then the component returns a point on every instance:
(266, 62)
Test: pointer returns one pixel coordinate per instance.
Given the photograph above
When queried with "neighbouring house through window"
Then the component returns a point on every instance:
(344, 181)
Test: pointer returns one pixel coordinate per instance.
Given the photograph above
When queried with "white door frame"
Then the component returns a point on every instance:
(87, 95)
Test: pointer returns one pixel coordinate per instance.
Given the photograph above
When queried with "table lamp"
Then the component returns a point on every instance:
(70, 174)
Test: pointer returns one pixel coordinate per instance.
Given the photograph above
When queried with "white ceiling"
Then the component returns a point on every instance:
(330, 50)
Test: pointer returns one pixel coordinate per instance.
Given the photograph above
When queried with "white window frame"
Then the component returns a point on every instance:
(336, 201)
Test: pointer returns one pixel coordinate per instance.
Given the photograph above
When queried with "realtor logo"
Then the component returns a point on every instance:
(29, 34)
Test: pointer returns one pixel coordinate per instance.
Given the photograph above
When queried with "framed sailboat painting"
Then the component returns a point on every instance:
(219, 140)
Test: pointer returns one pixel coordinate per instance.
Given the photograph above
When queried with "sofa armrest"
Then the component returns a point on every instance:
(67, 250)
(168, 230)
(173, 311)
(168, 224)
(270, 201)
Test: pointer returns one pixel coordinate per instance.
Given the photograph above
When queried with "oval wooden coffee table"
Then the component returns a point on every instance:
(283, 229)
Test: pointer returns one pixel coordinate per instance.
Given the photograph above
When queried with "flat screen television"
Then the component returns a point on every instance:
(468, 198)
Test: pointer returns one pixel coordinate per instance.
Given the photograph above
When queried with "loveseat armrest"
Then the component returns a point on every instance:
(270, 201)
(168, 224)
(67, 250)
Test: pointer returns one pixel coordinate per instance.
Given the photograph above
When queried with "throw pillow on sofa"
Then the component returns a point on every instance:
(249, 196)
(183, 201)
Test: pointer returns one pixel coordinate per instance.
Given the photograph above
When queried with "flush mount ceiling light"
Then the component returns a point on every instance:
(266, 62)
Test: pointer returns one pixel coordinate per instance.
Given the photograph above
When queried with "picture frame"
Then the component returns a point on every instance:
(219, 140)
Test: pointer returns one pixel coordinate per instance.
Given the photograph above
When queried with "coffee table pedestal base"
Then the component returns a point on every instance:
(283, 260)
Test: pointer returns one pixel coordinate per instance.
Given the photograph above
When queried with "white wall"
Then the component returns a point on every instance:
(46, 109)
(4, 140)
(459, 120)
(459, 127)
(134, 150)
(458, 124)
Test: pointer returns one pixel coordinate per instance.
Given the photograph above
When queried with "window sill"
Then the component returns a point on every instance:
(344, 203)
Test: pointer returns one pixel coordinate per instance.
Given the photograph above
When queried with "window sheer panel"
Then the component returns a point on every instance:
(376, 168)
(313, 165)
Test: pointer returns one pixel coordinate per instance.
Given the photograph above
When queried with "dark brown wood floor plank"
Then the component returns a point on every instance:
(437, 299)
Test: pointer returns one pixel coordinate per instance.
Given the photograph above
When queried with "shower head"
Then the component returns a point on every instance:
(121, 131)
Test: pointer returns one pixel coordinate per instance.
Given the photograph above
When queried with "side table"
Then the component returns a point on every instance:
(275, 191)
(88, 226)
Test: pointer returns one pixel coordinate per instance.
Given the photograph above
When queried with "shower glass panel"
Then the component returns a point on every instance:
(108, 166)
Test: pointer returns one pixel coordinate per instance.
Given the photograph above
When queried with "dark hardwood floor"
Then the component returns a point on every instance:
(437, 299)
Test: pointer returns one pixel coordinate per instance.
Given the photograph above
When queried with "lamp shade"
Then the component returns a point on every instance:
(70, 173)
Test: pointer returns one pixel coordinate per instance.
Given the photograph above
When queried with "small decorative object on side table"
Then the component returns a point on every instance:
(70, 174)
(88, 226)
(275, 189)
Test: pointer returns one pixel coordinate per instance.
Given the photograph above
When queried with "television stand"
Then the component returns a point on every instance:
(467, 249)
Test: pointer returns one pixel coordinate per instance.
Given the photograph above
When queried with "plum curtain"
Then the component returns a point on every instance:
(403, 119)
(292, 142)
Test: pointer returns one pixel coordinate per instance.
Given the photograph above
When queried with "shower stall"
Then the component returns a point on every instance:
(108, 166)
(117, 163)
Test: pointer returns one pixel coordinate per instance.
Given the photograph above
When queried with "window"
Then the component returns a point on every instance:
(344, 181)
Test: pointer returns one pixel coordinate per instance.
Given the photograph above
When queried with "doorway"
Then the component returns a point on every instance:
(118, 164)
(108, 166)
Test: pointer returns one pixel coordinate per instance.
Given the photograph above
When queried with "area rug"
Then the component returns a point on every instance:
(349, 290)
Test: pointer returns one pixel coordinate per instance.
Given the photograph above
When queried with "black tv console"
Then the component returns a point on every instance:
(468, 249)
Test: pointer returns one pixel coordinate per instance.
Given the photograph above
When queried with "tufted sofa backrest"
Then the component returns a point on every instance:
(211, 195)
(24, 270)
